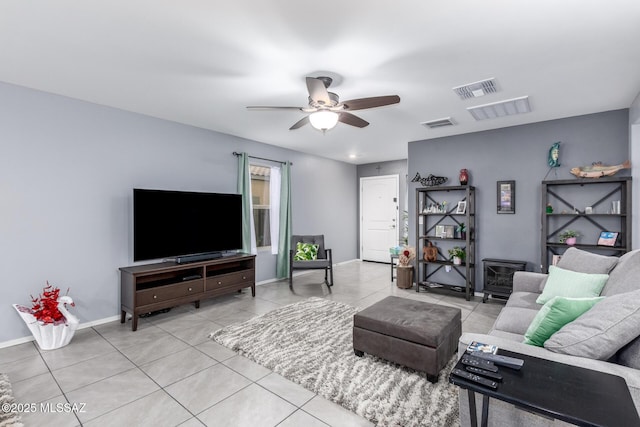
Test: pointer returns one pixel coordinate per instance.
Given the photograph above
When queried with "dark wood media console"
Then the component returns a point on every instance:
(151, 287)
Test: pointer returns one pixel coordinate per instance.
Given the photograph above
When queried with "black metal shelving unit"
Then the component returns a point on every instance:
(569, 199)
(432, 275)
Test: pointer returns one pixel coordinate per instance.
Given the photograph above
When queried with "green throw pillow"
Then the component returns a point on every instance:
(306, 252)
(554, 315)
(571, 284)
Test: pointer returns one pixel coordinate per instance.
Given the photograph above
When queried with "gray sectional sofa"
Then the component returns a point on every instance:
(605, 338)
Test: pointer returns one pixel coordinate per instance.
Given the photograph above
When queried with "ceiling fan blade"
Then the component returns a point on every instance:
(303, 121)
(261, 107)
(376, 101)
(353, 120)
(318, 91)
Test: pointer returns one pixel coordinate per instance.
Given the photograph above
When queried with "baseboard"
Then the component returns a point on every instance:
(302, 272)
(15, 342)
(81, 326)
(85, 325)
(349, 261)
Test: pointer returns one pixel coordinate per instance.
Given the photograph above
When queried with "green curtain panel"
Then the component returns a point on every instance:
(244, 188)
(284, 240)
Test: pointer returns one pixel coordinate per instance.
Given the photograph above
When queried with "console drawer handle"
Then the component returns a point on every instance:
(244, 277)
(190, 289)
(155, 297)
(219, 283)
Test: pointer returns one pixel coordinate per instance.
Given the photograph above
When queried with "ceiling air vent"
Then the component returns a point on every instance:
(474, 90)
(501, 108)
(438, 123)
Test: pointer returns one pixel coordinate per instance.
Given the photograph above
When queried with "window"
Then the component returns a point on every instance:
(261, 200)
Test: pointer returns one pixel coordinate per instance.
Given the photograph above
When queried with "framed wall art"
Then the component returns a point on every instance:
(506, 197)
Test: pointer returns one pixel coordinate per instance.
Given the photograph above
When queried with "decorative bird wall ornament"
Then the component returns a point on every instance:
(554, 155)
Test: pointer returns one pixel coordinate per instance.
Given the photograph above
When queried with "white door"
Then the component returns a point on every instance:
(379, 217)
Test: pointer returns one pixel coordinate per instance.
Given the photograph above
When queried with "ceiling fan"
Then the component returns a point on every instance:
(325, 107)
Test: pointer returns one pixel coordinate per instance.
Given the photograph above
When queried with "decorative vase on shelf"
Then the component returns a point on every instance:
(457, 260)
(570, 241)
(53, 335)
(430, 252)
(464, 177)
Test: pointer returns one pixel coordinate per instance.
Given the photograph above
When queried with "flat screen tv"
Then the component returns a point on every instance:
(172, 224)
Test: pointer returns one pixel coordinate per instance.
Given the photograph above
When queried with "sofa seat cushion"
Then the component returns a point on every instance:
(602, 331)
(515, 320)
(311, 264)
(629, 355)
(626, 276)
(575, 259)
(524, 300)
(571, 284)
(507, 335)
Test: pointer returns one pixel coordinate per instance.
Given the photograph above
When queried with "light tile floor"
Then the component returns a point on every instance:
(170, 373)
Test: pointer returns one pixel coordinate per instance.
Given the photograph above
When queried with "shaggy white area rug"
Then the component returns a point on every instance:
(311, 343)
(7, 418)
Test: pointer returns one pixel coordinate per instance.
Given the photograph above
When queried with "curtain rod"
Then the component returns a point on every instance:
(262, 158)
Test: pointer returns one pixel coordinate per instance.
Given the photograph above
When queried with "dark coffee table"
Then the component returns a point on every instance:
(572, 394)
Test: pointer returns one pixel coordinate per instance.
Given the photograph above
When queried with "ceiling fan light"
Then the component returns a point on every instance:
(323, 120)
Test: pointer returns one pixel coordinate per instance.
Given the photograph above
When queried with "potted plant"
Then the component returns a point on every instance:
(569, 237)
(457, 254)
(405, 269)
(50, 323)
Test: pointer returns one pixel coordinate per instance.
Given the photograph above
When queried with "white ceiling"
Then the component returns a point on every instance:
(201, 62)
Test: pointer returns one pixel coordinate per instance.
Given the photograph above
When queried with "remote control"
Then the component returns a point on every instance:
(475, 378)
(494, 375)
(509, 362)
(488, 365)
(191, 277)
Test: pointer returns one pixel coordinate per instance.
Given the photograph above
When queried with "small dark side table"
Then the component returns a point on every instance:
(572, 394)
(394, 259)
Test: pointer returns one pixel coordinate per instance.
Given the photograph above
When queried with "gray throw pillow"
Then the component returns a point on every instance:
(575, 259)
(602, 331)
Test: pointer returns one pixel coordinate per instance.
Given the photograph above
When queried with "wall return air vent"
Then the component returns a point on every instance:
(476, 89)
(438, 123)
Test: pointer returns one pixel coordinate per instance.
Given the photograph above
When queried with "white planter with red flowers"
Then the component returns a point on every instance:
(50, 323)
(405, 269)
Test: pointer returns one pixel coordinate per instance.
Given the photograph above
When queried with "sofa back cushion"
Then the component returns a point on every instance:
(626, 276)
(602, 331)
(575, 259)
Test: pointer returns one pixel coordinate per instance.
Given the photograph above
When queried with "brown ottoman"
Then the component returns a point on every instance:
(416, 334)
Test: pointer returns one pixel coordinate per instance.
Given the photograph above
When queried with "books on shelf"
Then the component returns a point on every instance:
(479, 346)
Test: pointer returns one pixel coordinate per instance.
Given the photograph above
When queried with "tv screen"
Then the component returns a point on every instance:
(168, 224)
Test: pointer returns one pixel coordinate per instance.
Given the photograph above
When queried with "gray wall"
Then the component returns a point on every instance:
(394, 167)
(518, 153)
(67, 169)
